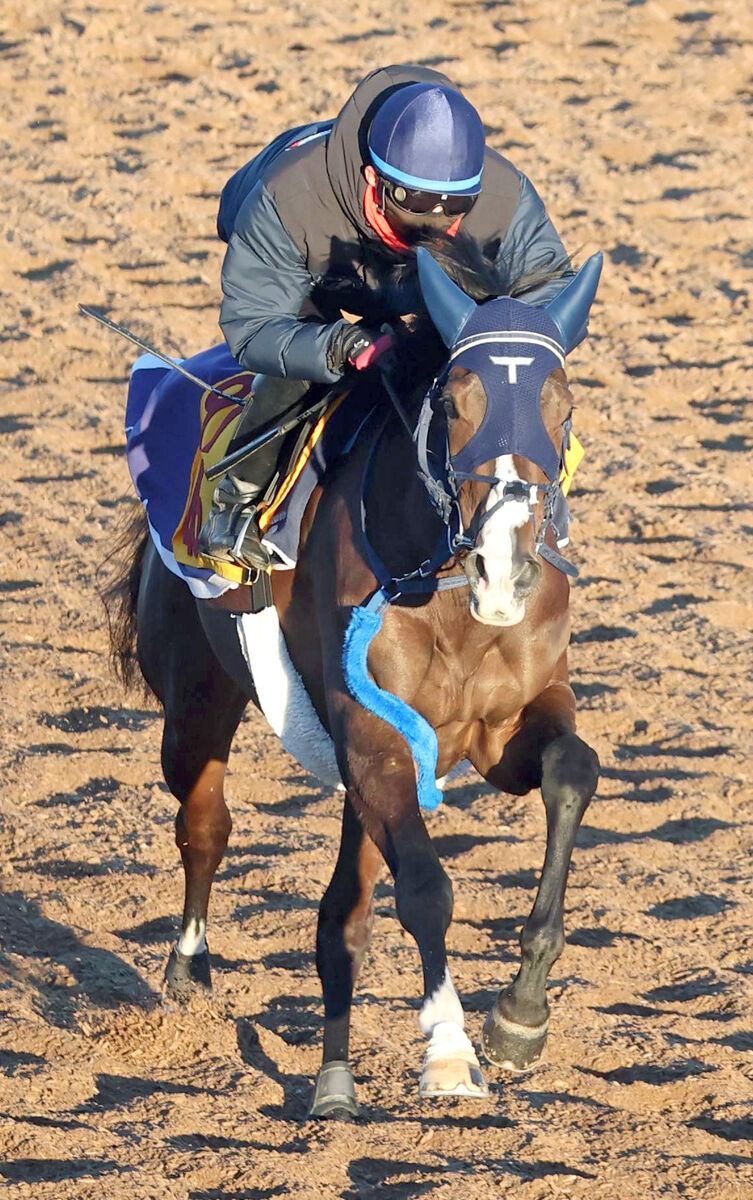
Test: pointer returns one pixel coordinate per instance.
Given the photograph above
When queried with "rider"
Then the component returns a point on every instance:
(303, 220)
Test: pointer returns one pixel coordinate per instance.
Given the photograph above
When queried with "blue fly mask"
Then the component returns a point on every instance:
(512, 347)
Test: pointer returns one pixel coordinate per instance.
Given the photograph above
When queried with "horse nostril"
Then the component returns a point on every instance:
(481, 567)
(527, 577)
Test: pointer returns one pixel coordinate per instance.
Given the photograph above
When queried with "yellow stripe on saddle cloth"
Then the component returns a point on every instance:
(218, 422)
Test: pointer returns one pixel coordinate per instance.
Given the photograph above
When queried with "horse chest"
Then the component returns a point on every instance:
(488, 682)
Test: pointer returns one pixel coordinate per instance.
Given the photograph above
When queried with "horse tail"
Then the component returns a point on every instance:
(121, 592)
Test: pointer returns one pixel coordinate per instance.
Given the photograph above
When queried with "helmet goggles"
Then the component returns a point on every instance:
(422, 203)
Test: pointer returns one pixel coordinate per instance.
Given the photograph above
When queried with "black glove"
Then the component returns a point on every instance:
(348, 343)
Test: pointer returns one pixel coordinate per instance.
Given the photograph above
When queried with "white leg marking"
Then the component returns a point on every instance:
(443, 1006)
(450, 1064)
(192, 940)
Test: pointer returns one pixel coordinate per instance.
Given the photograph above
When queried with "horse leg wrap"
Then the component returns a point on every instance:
(334, 1093)
(513, 1047)
(186, 974)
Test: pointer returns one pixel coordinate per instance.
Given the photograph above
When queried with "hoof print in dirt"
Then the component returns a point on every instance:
(187, 975)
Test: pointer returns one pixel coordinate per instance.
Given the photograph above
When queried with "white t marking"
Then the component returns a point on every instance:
(511, 363)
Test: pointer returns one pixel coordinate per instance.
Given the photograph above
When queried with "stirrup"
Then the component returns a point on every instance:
(221, 543)
(234, 572)
(236, 550)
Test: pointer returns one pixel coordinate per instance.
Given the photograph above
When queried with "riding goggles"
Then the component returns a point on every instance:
(413, 200)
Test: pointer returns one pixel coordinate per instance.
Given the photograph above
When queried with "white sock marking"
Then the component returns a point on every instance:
(442, 1007)
(192, 940)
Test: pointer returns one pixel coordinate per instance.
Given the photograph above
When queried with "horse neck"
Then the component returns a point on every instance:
(401, 523)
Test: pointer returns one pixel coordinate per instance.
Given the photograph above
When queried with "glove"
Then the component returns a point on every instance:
(356, 346)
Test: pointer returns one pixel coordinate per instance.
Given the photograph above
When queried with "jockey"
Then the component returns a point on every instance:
(302, 221)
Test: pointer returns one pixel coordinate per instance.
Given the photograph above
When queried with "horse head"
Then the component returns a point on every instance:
(507, 406)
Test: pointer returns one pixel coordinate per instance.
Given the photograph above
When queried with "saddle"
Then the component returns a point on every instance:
(176, 432)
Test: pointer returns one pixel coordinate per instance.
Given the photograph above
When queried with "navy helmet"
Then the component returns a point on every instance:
(429, 137)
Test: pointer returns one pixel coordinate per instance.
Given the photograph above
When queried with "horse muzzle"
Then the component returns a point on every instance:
(499, 598)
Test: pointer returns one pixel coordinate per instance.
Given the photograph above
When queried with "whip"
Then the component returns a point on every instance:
(165, 358)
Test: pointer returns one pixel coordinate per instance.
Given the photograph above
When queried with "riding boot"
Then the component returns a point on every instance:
(231, 532)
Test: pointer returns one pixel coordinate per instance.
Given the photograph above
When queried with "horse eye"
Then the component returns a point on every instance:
(448, 404)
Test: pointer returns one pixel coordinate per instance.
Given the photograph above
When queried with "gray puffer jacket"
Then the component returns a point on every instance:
(301, 250)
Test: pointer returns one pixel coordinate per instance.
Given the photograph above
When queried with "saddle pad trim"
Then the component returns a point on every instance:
(303, 458)
(283, 697)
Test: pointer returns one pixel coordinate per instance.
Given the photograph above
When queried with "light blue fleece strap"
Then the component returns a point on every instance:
(365, 623)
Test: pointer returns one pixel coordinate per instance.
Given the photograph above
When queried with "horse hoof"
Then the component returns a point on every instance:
(513, 1047)
(334, 1096)
(451, 1067)
(448, 1077)
(186, 975)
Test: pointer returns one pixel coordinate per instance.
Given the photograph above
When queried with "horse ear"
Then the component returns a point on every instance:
(570, 308)
(449, 306)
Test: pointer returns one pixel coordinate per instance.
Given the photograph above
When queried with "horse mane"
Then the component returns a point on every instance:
(480, 272)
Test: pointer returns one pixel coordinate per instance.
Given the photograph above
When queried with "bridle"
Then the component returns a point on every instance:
(443, 486)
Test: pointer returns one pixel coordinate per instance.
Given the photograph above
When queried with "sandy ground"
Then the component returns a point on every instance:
(119, 124)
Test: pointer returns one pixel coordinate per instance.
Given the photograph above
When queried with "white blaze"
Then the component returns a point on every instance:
(495, 602)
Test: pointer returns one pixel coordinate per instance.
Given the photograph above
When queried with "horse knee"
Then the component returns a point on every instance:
(423, 891)
(570, 772)
(204, 830)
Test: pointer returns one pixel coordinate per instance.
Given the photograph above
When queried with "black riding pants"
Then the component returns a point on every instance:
(274, 401)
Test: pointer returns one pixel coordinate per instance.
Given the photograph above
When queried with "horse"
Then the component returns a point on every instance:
(427, 616)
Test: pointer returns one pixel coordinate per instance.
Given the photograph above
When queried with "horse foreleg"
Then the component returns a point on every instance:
(545, 751)
(381, 776)
(343, 932)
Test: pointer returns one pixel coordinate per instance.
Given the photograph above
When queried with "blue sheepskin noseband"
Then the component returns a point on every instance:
(365, 624)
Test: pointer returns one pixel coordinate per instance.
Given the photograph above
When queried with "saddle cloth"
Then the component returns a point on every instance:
(175, 431)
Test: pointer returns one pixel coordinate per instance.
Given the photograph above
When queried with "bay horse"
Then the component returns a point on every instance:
(462, 639)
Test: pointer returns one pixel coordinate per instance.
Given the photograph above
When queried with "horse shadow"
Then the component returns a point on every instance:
(245, 1193)
(58, 1170)
(374, 1173)
(101, 977)
(296, 1088)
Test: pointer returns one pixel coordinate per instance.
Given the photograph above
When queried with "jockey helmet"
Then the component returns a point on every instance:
(428, 140)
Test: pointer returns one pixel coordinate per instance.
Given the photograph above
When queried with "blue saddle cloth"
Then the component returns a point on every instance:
(170, 423)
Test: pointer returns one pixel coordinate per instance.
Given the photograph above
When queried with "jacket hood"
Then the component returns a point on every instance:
(347, 150)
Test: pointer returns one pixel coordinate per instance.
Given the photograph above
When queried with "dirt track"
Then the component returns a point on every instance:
(121, 124)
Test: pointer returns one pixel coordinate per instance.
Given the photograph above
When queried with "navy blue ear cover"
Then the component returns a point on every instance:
(570, 308)
(449, 307)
